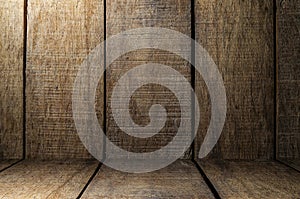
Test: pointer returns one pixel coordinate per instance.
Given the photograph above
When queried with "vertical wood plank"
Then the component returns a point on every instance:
(60, 36)
(288, 136)
(11, 87)
(239, 37)
(128, 14)
(124, 15)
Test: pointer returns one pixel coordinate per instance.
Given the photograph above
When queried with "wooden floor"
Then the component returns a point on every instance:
(182, 179)
(179, 180)
(295, 163)
(252, 179)
(4, 164)
(29, 179)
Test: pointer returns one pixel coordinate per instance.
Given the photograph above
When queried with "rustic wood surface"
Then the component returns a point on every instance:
(179, 180)
(237, 34)
(239, 37)
(232, 179)
(60, 36)
(52, 179)
(294, 163)
(241, 179)
(288, 42)
(128, 14)
(11, 87)
(6, 163)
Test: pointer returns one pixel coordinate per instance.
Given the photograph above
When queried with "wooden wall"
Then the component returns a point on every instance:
(239, 37)
(11, 76)
(288, 41)
(60, 36)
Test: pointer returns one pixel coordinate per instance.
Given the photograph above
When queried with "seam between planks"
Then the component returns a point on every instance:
(24, 75)
(10, 166)
(287, 165)
(104, 83)
(90, 180)
(275, 41)
(193, 74)
(207, 180)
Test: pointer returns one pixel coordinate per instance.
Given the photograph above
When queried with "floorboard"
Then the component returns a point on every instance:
(39, 179)
(232, 179)
(294, 163)
(179, 180)
(236, 179)
(6, 163)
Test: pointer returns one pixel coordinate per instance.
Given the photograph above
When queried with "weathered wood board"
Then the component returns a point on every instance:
(60, 36)
(288, 53)
(238, 35)
(52, 179)
(11, 75)
(179, 180)
(241, 179)
(6, 163)
(129, 14)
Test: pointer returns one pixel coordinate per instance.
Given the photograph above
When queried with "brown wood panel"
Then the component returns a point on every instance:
(11, 87)
(52, 179)
(288, 44)
(179, 180)
(6, 163)
(241, 179)
(60, 36)
(128, 14)
(239, 37)
(294, 163)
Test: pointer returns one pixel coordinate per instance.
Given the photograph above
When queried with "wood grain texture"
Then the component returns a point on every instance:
(239, 37)
(288, 43)
(294, 163)
(6, 163)
(60, 36)
(129, 14)
(241, 179)
(11, 75)
(52, 179)
(179, 180)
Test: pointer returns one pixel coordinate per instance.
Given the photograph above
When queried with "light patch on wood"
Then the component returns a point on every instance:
(11, 75)
(60, 36)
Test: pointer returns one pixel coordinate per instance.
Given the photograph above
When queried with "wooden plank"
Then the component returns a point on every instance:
(11, 75)
(179, 180)
(288, 43)
(60, 36)
(53, 179)
(241, 179)
(128, 14)
(239, 37)
(294, 163)
(6, 163)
